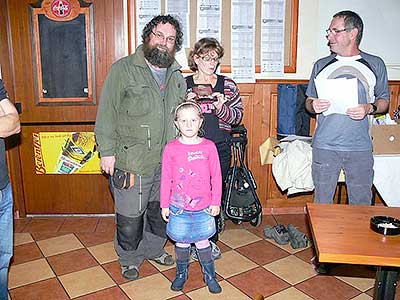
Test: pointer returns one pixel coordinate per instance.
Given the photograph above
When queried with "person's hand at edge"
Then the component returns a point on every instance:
(214, 210)
(107, 164)
(165, 214)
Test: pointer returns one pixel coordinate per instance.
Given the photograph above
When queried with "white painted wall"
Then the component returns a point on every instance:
(381, 32)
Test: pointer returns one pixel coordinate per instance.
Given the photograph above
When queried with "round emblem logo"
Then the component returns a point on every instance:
(61, 8)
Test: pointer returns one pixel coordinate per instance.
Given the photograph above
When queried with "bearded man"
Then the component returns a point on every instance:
(134, 122)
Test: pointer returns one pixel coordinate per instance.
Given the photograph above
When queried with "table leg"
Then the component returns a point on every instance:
(386, 283)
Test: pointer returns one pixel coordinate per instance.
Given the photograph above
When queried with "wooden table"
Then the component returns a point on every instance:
(342, 234)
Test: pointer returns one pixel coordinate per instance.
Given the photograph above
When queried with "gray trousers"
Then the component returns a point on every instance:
(358, 169)
(140, 230)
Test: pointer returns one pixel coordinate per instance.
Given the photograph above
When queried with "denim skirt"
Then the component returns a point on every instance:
(187, 227)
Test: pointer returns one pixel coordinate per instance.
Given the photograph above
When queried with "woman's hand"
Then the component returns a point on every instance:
(221, 99)
(191, 96)
(214, 210)
(165, 214)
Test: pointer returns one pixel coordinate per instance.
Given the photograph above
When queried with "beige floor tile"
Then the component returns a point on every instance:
(290, 293)
(171, 250)
(86, 281)
(362, 297)
(287, 246)
(232, 263)
(363, 284)
(29, 272)
(104, 253)
(291, 269)
(238, 237)
(59, 244)
(229, 292)
(22, 238)
(154, 287)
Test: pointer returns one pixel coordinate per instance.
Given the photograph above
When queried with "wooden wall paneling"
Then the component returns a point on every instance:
(252, 95)
(57, 193)
(270, 103)
(265, 109)
(109, 46)
(110, 37)
(6, 63)
(394, 96)
(260, 172)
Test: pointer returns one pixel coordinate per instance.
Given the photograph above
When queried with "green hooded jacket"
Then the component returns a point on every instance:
(134, 121)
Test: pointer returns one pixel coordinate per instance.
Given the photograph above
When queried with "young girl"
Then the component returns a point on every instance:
(191, 194)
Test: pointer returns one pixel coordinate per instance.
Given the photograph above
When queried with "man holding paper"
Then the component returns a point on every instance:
(345, 88)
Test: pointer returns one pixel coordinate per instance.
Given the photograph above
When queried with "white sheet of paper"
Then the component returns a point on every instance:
(341, 92)
(292, 137)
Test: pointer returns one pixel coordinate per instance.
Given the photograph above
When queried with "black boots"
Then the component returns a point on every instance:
(182, 263)
(207, 264)
(208, 267)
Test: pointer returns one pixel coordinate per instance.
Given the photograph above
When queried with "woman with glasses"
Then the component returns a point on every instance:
(220, 101)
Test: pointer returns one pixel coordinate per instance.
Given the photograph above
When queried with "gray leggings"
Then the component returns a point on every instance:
(358, 169)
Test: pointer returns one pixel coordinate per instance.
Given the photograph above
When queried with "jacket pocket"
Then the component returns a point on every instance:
(133, 157)
(137, 100)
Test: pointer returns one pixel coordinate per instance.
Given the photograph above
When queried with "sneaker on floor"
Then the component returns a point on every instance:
(215, 251)
(193, 253)
(279, 233)
(130, 272)
(296, 237)
(164, 259)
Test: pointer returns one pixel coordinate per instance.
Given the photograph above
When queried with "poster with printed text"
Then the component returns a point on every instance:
(65, 153)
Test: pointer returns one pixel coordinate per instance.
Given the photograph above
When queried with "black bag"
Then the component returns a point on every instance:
(240, 200)
(123, 179)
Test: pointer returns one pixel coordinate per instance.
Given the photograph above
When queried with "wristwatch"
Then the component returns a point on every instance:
(374, 109)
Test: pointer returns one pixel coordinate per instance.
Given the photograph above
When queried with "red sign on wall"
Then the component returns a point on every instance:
(61, 8)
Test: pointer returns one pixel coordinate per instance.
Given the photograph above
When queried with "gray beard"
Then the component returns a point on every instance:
(158, 58)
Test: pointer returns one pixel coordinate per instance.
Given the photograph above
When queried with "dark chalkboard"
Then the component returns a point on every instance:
(63, 57)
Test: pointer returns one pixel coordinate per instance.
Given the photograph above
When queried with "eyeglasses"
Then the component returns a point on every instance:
(335, 31)
(208, 58)
(159, 36)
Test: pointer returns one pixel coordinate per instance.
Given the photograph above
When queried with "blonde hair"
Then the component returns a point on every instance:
(185, 105)
(188, 105)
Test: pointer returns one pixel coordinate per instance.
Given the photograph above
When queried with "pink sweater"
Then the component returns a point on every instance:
(191, 176)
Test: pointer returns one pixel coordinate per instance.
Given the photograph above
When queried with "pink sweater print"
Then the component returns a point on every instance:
(191, 176)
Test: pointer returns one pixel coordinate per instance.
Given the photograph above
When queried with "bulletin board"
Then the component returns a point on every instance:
(63, 52)
(291, 27)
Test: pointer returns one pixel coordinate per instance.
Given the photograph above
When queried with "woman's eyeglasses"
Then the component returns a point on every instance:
(208, 58)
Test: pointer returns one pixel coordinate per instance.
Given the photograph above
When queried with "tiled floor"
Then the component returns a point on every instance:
(73, 258)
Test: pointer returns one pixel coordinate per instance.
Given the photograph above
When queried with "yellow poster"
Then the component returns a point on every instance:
(65, 153)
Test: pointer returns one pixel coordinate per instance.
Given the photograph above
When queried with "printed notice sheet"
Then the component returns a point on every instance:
(180, 9)
(341, 92)
(243, 40)
(272, 37)
(208, 19)
(145, 11)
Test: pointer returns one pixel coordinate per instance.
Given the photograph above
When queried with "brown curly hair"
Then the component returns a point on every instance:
(202, 47)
